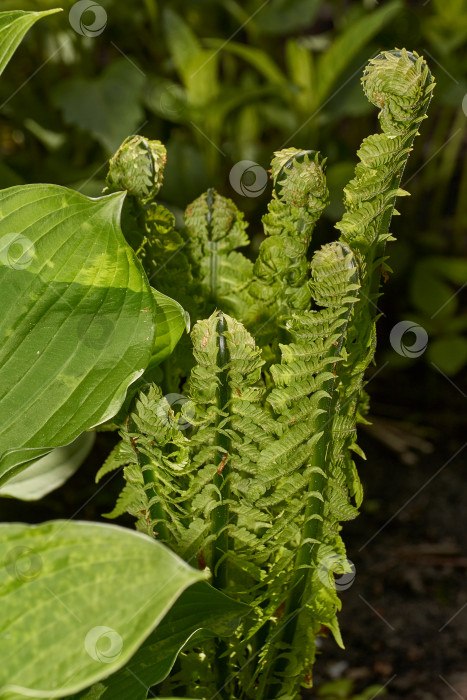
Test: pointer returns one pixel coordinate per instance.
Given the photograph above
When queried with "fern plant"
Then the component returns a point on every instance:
(236, 442)
(250, 472)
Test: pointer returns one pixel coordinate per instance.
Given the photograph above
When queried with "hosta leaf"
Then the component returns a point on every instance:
(171, 321)
(200, 613)
(49, 472)
(78, 321)
(77, 601)
(13, 27)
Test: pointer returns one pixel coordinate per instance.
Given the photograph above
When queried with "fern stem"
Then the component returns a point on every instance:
(220, 514)
(298, 596)
(156, 510)
(213, 263)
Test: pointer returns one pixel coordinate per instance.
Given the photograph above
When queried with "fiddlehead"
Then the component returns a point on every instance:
(257, 482)
(279, 286)
(138, 168)
(215, 228)
(402, 86)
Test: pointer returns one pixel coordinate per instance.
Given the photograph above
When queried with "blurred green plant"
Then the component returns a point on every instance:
(435, 288)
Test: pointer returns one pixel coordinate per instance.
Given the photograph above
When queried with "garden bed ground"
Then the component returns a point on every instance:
(410, 581)
(404, 619)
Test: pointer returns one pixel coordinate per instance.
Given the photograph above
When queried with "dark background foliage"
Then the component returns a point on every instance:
(220, 81)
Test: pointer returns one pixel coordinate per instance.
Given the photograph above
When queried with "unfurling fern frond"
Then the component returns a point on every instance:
(215, 228)
(138, 167)
(305, 401)
(279, 285)
(401, 85)
(249, 470)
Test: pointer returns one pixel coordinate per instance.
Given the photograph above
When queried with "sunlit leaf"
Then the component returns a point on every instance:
(13, 27)
(258, 58)
(200, 613)
(347, 45)
(78, 324)
(82, 597)
(171, 321)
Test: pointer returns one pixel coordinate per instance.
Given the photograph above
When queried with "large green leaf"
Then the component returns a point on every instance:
(49, 472)
(171, 321)
(200, 613)
(77, 600)
(13, 26)
(77, 325)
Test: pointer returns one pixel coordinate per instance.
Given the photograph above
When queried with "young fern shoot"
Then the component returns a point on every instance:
(251, 473)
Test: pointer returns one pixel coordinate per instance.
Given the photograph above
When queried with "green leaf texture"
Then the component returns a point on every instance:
(77, 601)
(171, 320)
(201, 612)
(13, 27)
(78, 324)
